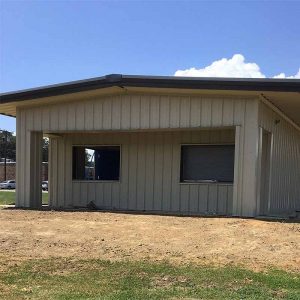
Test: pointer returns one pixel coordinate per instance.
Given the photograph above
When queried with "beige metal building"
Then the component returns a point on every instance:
(194, 146)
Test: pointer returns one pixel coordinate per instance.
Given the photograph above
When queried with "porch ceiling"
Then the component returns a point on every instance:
(288, 103)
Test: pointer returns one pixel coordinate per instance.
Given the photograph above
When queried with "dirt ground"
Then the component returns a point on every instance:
(250, 243)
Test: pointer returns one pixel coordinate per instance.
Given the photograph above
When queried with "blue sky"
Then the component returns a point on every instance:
(46, 42)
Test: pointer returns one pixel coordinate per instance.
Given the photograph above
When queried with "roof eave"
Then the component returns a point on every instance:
(237, 84)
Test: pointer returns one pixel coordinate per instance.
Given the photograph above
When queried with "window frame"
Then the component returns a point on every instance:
(205, 182)
(97, 180)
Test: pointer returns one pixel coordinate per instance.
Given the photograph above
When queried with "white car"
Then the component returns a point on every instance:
(8, 184)
(45, 185)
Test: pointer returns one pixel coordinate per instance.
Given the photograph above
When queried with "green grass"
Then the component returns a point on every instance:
(97, 279)
(7, 198)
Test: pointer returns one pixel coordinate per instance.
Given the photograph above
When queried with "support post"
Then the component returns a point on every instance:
(29, 169)
(246, 160)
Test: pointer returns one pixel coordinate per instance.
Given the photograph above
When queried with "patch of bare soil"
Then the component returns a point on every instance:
(250, 243)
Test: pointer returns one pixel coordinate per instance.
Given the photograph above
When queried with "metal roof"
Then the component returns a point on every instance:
(119, 80)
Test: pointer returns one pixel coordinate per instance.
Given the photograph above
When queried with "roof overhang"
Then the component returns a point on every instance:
(283, 93)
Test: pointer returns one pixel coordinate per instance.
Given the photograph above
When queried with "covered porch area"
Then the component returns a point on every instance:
(159, 171)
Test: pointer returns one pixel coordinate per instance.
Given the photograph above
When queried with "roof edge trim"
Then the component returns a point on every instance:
(119, 80)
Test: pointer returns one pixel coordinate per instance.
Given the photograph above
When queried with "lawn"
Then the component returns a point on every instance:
(8, 198)
(100, 279)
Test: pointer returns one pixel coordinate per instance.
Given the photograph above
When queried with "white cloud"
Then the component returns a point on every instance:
(232, 67)
(282, 75)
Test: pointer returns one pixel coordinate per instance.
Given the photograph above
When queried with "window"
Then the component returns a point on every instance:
(96, 163)
(212, 163)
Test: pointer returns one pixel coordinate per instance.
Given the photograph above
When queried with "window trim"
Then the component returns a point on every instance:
(97, 180)
(203, 182)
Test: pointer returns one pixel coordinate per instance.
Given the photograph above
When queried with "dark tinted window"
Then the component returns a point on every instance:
(207, 163)
(96, 163)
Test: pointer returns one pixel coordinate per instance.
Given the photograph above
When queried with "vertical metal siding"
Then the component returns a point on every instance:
(125, 112)
(29, 161)
(150, 112)
(285, 162)
(150, 164)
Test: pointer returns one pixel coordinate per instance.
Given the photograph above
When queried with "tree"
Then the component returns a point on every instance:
(7, 145)
(8, 140)
(89, 158)
(45, 149)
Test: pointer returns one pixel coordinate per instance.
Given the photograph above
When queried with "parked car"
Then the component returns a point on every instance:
(45, 185)
(8, 184)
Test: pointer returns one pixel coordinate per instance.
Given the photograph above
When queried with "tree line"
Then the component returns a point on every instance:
(8, 146)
